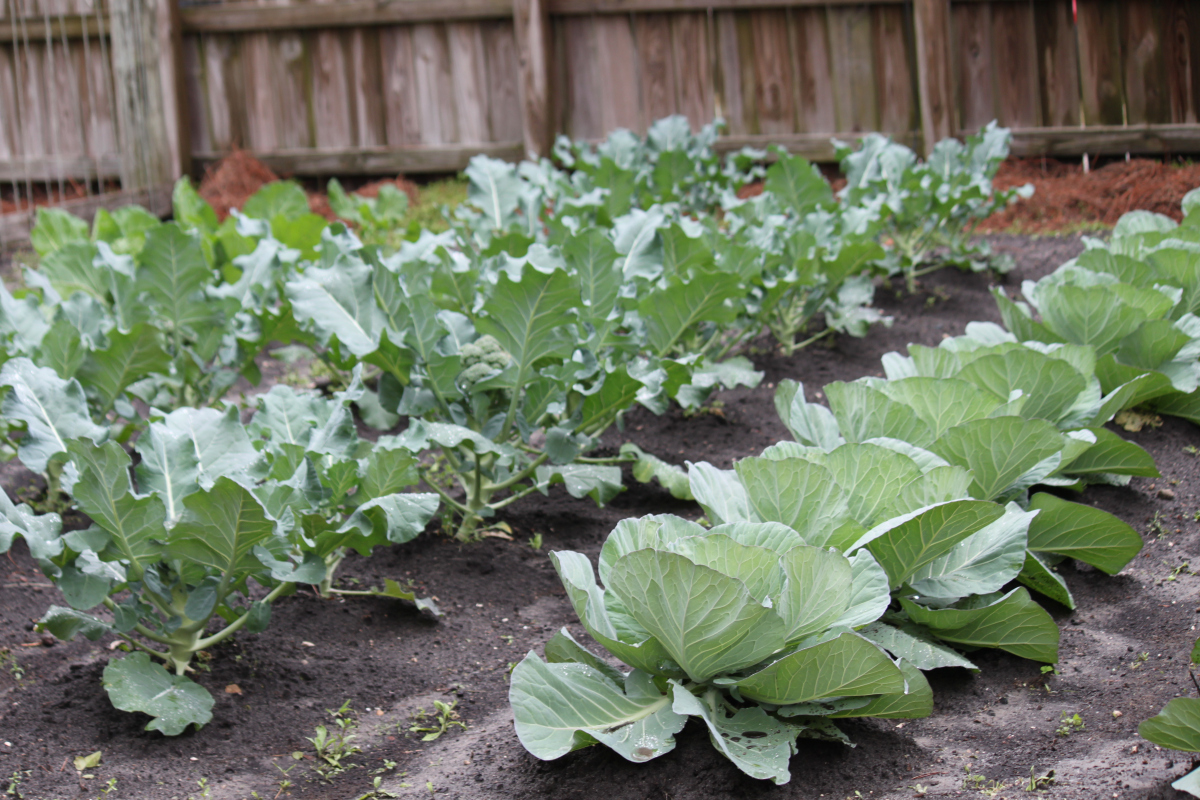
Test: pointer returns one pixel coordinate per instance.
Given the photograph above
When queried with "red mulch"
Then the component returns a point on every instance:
(1064, 195)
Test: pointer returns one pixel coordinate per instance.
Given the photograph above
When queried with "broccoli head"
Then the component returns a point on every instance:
(481, 358)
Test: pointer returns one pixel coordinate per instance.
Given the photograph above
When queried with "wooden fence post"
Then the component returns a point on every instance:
(931, 19)
(532, 23)
(145, 54)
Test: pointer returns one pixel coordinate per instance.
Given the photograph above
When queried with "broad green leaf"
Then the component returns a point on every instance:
(648, 467)
(656, 531)
(563, 649)
(844, 666)
(1112, 454)
(998, 451)
(1081, 532)
(53, 410)
(708, 622)
(1093, 315)
(670, 313)
(134, 683)
(1051, 384)
(103, 491)
(907, 545)
(758, 744)
(562, 707)
(1037, 575)
(601, 484)
(1189, 783)
(172, 269)
(720, 493)
(1152, 345)
(798, 184)
(385, 471)
(494, 189)
(1013, 623)
(398, 518)
(756, 567)
(288, 416)
(865, 413)
(915, 645)
(129, 357)
(938, 485)
(872, 477)
(1178, 404)
(797, 493)
(771, 535)
(942, 403)
(56, 228)
(67, 623)
(636, 239)
(190, 449)
(811, 424)
(90, 761)
(190, 209)
(71, 269)
(818, 590)
(41, 532)
(1176, 727)
(531, 318)
(869, 596)
(914, 703)
(278, 198)
(219, 529)
(983, 562)
(339, 302)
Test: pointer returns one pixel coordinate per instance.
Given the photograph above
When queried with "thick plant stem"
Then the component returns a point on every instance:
(332, 562)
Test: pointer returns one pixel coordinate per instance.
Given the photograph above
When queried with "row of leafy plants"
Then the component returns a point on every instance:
(902, 523)
(558, 299)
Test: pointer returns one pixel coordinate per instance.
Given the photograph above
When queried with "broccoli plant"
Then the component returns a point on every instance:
(928, 210)
(216, 521)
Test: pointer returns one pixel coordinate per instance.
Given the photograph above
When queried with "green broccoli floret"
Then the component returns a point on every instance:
(481, 358)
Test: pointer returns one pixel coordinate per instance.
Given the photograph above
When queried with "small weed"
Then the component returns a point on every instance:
(1184, 567)
(376, 792)
(332, 746)
(205, 789)
(508, 638)
(14, 784)
(1192, 450)
(434, 724)
(1071, 723)
(714, 409)
(1050, 669)
(109, 787)
(1039, 782)
(919, 790)
(973, 781)
(10, 664)
(1140, 661)
(535, 541)
(1157, 527)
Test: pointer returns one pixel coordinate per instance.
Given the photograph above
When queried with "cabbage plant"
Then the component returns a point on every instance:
(746, 626)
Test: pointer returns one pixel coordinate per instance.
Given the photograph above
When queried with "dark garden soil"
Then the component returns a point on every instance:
(1124, 651)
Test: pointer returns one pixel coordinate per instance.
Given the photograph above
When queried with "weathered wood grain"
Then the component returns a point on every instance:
(365, 78)
(972, 26)
(1103, 95)
(377, 161)
(1144, 58)
(618, 90)
(468, 70)
(437, 117)
(693, 68)
(1015, 65)
(652, 34)
(730, 99)
(401, 115)
(1058, 63)
(503, 77)
(1178, 36)
(893, 70)
(816, 111)
(931, 21)
(242, 17)
(330, 95)
(851, 52)
(774, 96)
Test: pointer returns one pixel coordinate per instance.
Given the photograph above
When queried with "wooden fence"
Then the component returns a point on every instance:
(139, 89)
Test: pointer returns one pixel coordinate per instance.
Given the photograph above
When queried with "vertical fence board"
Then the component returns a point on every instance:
(1058, 63)
(893, 69)
(972, 26)
(580, 64)
(694, 83)
(468, 66)
(399, 86)
(193, 71)
(1177, 42)
(852, 56)
(1015, 67)
(931, 24)
(35, 131)
(259, 108)
(10, 140)
(291, 88)
(653, 36)
(366, 82)
(503, 72)
(539, 88)
(1100, 62)
(1145, 60)
(813, 87)
(775, 97)
(228, 106)
(728, 74)
(437, 119)
(330, 95)
(618, 92)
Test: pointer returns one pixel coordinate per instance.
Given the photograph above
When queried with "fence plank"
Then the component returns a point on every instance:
(193, 68)
(366, 80)
(259, 108)
(330, 98)
(1178, 42)
(775, 96)
(1015, 67)
(931, 21)
(10, 138)
(1058, 63)
(815, 107)
(290, 82)
(652, 33)
(401, 121)
(619, 90)
(574, 7)
(893, 69)
(731, 96)
(693, 69)
(242, 17)
(852, 55)
(468, 67)
(1145, 60)
(531, 26)
(1100, 62)
(972, 26)
(503, 76)
(437, 119)
(581, 79)
(377, 161)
